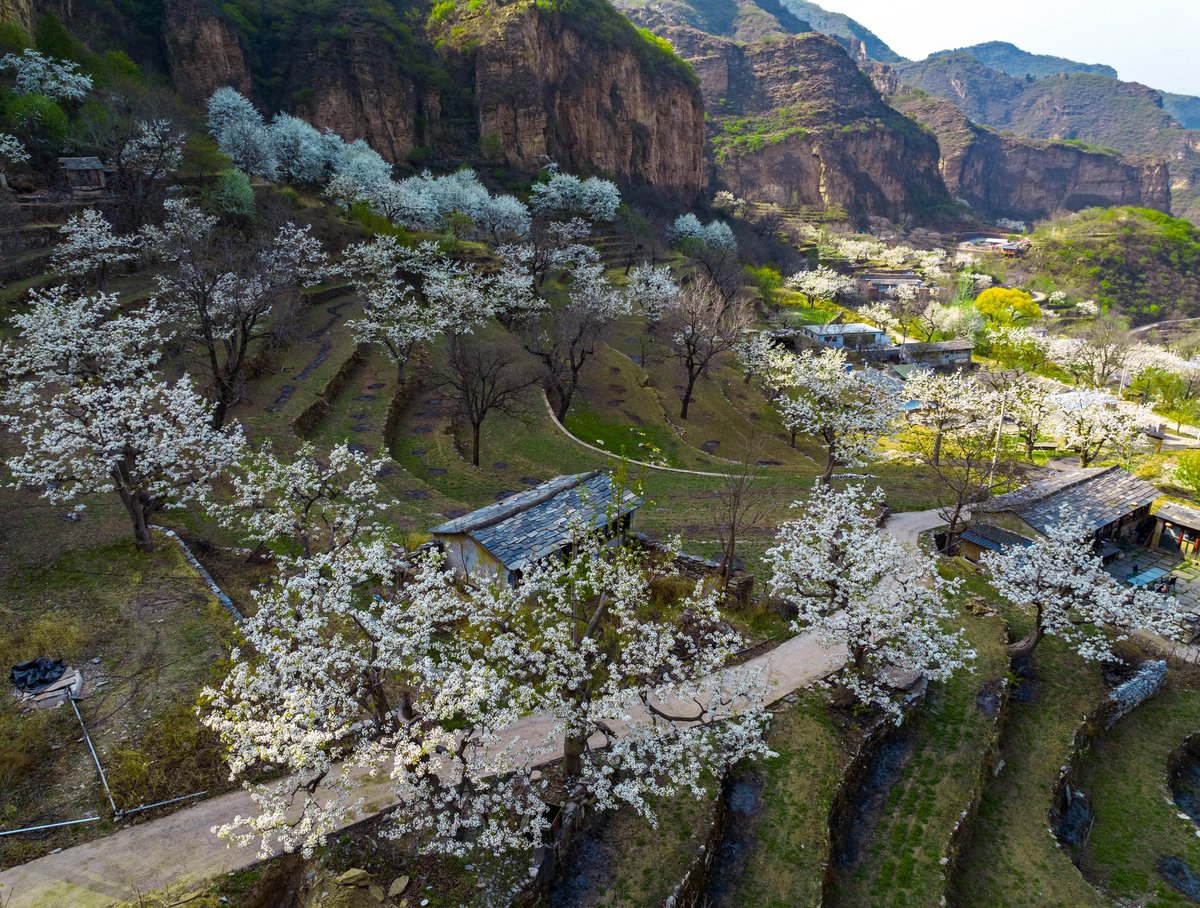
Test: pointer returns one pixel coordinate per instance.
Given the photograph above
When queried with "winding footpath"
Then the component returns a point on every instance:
(180, 851)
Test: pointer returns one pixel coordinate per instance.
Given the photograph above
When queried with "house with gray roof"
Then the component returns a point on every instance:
(506, 538)
(1111, 503)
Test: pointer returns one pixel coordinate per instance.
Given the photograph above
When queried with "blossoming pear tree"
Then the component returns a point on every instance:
(847, 413)
(307, 503)
(858, 586)
(1060, 581)
(453, 695)
(89, 248)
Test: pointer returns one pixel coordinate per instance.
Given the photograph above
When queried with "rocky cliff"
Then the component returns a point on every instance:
(1010, 176)
(524, 79)
(202, 51)
(546, 87)
(18, 11)
(795, 122)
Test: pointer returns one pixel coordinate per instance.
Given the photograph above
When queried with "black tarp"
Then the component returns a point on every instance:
(36, 674)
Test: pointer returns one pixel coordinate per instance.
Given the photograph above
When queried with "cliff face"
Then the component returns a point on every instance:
(354, 86)
(542, 88)
(544, 84)
(202, 51)
(18, 11)
(795, 122)
(1015, 177)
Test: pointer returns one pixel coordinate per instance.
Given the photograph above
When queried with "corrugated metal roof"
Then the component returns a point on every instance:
(1096, 501)
(993, 538)
(535, 523)
(946, 346)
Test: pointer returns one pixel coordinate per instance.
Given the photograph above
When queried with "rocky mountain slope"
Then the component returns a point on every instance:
(1004, 175)
(1072, 106)
(795, 122)
(1010, 59)
(508, 82)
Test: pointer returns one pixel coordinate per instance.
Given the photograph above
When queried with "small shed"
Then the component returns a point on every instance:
(985, 537)
(505, 538)
(84, 176)
(1177, 529)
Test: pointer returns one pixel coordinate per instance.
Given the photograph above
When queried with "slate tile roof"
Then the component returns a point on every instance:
(994, 538)
(1179, 514)
(946, 346)
(1097, 498)
(537, 522)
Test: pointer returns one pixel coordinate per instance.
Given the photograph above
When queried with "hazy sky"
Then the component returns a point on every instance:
(1156, 42)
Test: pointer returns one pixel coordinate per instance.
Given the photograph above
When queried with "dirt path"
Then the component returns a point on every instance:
(180, 849)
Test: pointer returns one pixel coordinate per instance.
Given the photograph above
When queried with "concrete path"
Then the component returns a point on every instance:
(180, 849)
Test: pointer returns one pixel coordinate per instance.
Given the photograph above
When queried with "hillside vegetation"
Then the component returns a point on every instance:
(1136, 260)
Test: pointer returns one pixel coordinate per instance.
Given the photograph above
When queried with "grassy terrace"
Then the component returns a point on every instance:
(1012, 859)
(950, 735)
(786, 866)
(1125, 775)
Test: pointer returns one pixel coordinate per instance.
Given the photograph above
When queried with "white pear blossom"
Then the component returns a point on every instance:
(651, 289)
(828, 400)
(38, 74)
(820, 283)
(149, 441)
(90, 248)
(565, 196)
(1061, 582)
(309, 502)
(455, 696)
(858, 586)
(1092, 423)
(11, 150)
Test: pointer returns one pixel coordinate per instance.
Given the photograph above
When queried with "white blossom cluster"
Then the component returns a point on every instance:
(89, 246)
(91, 416)
(565, 196)
(860, 587)
(457, 695)
(1061, 582)
(308, 503)
(826, 398)
(38, 74)
(821, 283)
(651, 289)
(716, 234)
(11, 150)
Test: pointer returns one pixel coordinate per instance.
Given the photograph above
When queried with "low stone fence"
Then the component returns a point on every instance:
(548, 860)
(1069, 801)
(688, 890)
(303, 424)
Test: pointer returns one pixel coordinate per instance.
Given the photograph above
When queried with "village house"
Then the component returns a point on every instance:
(947, 354)
(504, 539)
(1112, 504)
(877, 285)
(854, 337)
(1176, 529)
(984, 537)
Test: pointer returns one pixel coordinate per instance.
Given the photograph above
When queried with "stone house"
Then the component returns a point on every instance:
(504, 539)
(855, 337)
(947, 354)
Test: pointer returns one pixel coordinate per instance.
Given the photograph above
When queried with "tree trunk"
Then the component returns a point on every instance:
(687, 396)
(830, 465)
(475, 433)
(573, 748)
(1025, 646)
(140, 518)
(219, 412)
(937, 448)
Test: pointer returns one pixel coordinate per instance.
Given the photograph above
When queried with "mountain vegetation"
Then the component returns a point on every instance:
(1136, 261)
(1008, 58)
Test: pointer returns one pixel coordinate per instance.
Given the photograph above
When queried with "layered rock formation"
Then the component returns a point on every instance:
(795, 122)
(544, 88)
(1009, 176)
(545, 85)
(203, 52)
(18, 11)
